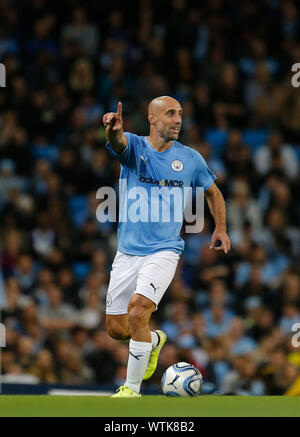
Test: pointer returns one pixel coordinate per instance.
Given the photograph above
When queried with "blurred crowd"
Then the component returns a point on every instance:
(229, 64)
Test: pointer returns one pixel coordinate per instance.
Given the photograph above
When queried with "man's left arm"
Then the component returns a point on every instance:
(217, 208)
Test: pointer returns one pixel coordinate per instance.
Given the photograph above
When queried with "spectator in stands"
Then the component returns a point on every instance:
(57, 315)
(81, 32)
(242, 208)
(229, 109)
(43, 367)
(276, 156)
(102, 359)
(177, 321)
(243, 380)
(217, 320)
(218, 365)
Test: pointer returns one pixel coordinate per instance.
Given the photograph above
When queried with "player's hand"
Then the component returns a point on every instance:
(114, 120)
(223, 237)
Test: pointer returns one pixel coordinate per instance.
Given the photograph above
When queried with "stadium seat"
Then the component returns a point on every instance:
(255, 138)
(48, 152)
(78, 206)
(217, 138)
(296, 150)
(81, 269)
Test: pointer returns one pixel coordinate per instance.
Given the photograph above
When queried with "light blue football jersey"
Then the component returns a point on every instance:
(149, 220)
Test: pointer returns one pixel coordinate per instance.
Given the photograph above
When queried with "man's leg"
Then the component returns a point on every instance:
(134, 325)
(153, 280)
(140, 309)
(152, 276)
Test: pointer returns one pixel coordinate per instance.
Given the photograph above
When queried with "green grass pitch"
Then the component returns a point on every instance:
(149, 406)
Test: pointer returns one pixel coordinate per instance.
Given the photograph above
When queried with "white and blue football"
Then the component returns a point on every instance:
(182, 379)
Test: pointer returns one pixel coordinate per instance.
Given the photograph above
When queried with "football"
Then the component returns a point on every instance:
(182, 379)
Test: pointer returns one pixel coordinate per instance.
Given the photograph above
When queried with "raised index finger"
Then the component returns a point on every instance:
(119, 111)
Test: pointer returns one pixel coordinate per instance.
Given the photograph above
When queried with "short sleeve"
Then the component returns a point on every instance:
(203, 176)
(128, 156)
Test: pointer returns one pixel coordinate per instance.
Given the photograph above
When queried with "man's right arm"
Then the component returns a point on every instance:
(114, 129)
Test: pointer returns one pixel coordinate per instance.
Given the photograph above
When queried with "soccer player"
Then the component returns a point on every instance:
(148, 251)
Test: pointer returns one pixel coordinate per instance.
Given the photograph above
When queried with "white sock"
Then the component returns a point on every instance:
(155, 339)
(139, 354)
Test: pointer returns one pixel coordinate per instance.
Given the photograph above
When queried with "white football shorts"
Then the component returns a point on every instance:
(149, 275)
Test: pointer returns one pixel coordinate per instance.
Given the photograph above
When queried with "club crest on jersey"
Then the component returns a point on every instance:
(108, 300)
(177, 165)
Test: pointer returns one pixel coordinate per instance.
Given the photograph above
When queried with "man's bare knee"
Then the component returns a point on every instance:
(139, 312)
(138, 300)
